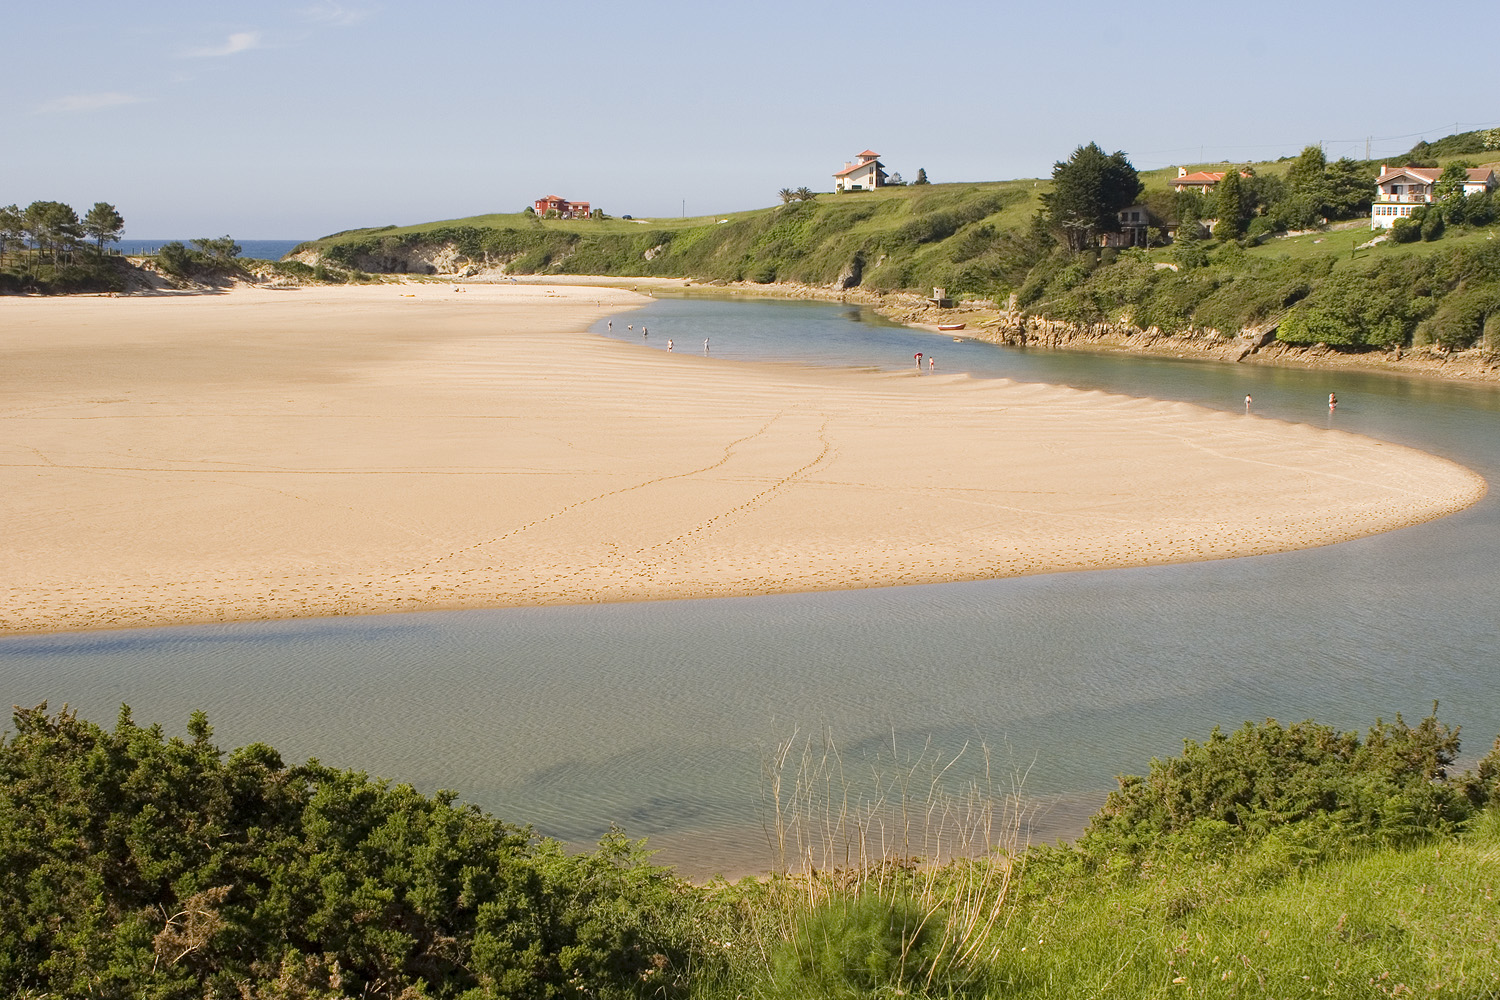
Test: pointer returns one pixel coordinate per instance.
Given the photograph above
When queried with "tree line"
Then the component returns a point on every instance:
(54, 228)
(1092, 186)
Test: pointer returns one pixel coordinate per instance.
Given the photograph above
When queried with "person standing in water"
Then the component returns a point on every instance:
(1247, 402)
(669, 343)
(705, 345)
(931, 363)
(1333, 401)
(918, 357)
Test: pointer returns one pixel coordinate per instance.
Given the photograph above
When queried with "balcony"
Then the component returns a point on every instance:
(1402, 199)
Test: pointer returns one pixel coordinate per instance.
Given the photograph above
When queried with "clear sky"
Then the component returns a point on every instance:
(290, 119)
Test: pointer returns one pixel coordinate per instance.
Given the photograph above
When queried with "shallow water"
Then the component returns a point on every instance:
(660, 716)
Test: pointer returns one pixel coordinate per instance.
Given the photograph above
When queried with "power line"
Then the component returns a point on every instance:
(1367, 141)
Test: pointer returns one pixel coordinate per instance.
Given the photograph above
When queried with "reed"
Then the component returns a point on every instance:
(894, 872)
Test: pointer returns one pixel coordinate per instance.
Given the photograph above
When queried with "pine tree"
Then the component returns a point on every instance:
(1230, 202)
(104, 224)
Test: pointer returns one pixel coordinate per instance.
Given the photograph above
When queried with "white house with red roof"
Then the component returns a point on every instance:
(866, 173)
(1401, 190)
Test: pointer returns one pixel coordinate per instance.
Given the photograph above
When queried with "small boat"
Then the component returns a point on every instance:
(950, 326)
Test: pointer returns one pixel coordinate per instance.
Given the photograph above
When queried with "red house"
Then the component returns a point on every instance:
(564, 208)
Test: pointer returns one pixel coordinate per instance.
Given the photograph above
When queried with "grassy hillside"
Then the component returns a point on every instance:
(991, 240)
(891, 238)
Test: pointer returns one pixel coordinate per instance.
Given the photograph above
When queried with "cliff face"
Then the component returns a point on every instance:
(1016, 329)
(412, 257)
(1256, 345)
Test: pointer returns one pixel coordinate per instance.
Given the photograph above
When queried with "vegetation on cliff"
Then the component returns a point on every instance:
(1433, 282)
(1270, 861)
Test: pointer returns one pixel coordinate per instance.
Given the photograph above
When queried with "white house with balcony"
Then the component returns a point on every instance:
(866, 173)
(1399, 190)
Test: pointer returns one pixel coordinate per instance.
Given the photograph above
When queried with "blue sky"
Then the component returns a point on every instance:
(296, 119)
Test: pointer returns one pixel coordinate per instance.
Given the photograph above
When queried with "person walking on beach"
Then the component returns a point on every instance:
(931, 363)
(669, 343)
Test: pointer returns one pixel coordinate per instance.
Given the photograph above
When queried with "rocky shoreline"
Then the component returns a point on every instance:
(990, 322)
(993, 322)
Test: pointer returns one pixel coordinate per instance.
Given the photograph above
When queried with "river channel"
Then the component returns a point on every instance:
(661, 717)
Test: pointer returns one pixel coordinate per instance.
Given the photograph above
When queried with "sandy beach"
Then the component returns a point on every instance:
(332, 451)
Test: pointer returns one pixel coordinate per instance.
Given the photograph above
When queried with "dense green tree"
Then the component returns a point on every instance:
(219, 252)
(52, 227)
(1307, 170)
(1230, 206)
(175, 259)
(1307, 189)
(12, 230)
(1187, 247)
(104, 224)
(1317, 191)
(1448, 191)
(1087, 193)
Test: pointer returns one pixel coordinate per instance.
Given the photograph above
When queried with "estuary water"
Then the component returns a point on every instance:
(257, 249)
(661, 717)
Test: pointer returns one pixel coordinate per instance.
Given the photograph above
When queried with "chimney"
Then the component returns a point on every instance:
(1182, 171)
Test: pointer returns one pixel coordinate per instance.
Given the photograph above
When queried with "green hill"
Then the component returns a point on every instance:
(893, 238)
(994, 240)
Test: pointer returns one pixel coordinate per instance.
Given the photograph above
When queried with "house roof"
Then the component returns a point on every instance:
(1427, 175)
(870, 153)
(860, 166)
(1201, 177)
(1430, 175)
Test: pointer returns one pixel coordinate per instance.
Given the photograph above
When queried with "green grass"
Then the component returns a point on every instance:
(1424, 919)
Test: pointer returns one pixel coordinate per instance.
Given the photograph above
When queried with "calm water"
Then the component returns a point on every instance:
(258, 249)
(660, 716)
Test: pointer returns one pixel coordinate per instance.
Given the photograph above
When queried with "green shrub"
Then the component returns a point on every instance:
(1432, 225)
(175, 259)
(860, 946)
(266, 867)
(1407, 229)
(1387, 788)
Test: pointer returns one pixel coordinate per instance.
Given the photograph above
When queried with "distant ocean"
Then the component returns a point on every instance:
(259, 249)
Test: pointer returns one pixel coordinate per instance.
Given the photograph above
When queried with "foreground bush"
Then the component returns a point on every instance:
(1273, 861)
(138, 865)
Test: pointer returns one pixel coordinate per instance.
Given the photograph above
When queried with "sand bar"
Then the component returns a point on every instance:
(333, 451)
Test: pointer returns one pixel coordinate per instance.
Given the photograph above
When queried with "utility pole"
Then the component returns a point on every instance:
(1367, 147)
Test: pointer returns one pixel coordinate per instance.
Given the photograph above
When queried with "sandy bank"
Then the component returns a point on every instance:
(327, 451)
